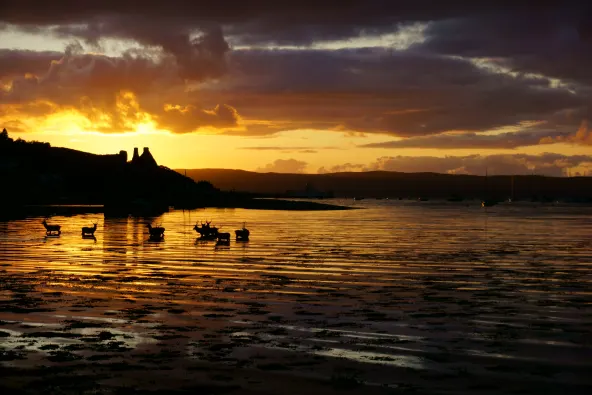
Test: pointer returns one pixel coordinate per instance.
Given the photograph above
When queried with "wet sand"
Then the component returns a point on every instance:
(408, 298)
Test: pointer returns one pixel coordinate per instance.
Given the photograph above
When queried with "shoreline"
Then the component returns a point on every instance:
(17, 212)
(284, 205)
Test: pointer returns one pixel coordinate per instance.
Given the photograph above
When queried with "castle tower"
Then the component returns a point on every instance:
(147, 159)
(136, 156)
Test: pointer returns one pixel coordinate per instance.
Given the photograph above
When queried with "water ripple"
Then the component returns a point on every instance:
(437, 288)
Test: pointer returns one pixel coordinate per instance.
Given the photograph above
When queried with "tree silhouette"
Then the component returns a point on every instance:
(205, 185)
(4, 136)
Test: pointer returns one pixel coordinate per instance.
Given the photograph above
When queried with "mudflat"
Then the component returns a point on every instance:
(396, 298)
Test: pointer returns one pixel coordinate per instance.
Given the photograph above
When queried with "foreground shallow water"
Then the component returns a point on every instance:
(407, 297)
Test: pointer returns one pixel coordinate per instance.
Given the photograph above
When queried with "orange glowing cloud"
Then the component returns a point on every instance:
(116, 94)
(583, 136)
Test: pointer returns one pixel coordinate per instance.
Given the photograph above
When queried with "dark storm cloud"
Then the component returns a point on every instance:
(16, 62)
(556, 43)
(430, 89)
(263, 21)
(197, 57)
(402, 93)
(475, 140)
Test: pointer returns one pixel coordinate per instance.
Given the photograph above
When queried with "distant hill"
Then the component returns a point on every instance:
(395, 184)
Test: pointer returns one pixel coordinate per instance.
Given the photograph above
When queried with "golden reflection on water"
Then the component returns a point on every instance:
(399, 285)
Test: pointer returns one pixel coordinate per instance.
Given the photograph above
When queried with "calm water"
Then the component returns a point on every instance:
(396, 293)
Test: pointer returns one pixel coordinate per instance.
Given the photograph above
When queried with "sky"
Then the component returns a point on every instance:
(459, 87)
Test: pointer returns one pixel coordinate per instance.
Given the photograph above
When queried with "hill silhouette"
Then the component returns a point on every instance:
(34, 173)
(382, 184)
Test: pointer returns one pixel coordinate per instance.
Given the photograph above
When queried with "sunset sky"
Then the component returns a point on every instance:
(300, 86)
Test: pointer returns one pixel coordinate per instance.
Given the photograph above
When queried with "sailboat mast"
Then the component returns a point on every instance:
(486, 186)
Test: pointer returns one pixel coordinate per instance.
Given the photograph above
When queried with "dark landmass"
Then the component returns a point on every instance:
(383, 184)
(36, 174)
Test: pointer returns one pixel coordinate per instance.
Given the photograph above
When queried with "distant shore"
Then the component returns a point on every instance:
(15, 212)
(292, 205)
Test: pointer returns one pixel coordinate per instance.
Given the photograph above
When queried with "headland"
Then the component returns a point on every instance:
(36, 175)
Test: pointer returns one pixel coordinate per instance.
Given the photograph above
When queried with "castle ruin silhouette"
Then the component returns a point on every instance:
(144, 160)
